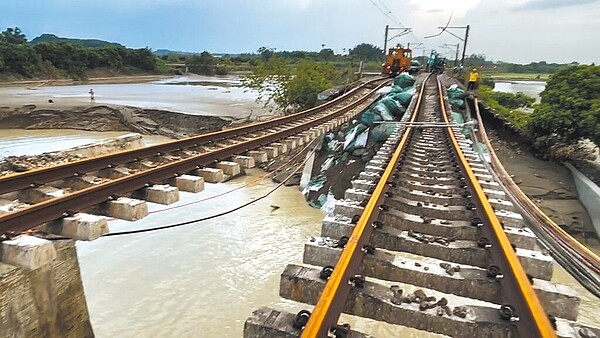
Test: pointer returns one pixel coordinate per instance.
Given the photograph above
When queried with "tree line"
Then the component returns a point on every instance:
(568, 114)
(65, 59)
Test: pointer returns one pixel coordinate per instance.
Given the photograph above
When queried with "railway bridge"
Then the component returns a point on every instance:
(428, 236)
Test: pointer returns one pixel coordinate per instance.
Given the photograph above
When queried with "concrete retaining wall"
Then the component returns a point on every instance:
(589, 195)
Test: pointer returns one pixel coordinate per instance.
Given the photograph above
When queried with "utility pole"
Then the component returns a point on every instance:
(462, 60)
(404, 31)
(387, 28)
(464, 40)
(456, 57)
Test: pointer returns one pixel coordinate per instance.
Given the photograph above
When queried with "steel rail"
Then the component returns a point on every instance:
(580, 261)
(516, 288)
(59, 207)
(36, 177)
(333, 298)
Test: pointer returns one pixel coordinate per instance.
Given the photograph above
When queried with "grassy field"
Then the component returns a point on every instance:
(517, 76)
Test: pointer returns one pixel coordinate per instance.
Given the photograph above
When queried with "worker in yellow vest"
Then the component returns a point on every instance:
(473, 77)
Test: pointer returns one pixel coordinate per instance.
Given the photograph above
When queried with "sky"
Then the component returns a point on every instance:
(519, 31)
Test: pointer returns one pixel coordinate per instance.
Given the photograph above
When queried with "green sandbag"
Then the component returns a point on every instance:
(382, 132)
(383, 111)
(391, 104)
(460, 103)
(456, 93)
(404, 98)
(370, 116)
(395, 90)
(404, 80)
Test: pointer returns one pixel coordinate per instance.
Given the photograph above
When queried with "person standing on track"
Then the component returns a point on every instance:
(473, 77)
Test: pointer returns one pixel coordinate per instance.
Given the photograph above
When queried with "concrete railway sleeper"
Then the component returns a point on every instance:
(425, 239)
(121, 191)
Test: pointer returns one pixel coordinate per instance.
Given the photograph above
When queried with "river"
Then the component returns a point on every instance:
(530, 88)
(198, 95)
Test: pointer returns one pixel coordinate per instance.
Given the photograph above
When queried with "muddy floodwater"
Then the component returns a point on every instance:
(203, 279)
(198, 95)
(529, 88)
(16, 142)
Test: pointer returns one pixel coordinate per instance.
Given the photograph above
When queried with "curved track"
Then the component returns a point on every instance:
(180, 156)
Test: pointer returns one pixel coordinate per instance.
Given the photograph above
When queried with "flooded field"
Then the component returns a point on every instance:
(202, 279)
(16, 142)
(530, 88)
(198, 95)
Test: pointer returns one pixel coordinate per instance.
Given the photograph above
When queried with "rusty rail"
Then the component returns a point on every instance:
(516, 288)
(40, 176)
(530, 318)
(334, 295)
(580, 261)
(56, 208)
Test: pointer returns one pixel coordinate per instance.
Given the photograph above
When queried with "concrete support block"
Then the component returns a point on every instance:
(43, 193)
(258, 156)
(189, 183)
(266, 322)
(82, 182)
(290, 143)
(281, 147)
(81, 226)
(229, 168)
(161, 194)
(305, 137)
(365, 185)
(471, 282)
(128, 209)
(27, 252)
(245, 162)
(299, 140)
(211, 175)
(272, 152)
(114, 173)
(303, 284)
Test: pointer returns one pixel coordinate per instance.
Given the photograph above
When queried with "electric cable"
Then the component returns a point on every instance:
(176, 225)
(241, 186)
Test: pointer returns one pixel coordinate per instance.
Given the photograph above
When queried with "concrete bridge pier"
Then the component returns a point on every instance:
(41, 293)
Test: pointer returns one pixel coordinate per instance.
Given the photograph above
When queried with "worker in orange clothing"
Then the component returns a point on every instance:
(473, 77)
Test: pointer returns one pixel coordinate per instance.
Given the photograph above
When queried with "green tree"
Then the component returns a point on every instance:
(202, 64)
(511, 100)
(266, 53)
(13, 36)
(326, 54)
(569, 112)
(367, 52)
(290, 86)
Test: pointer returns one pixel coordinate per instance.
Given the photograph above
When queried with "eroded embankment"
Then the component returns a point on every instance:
(110, 118)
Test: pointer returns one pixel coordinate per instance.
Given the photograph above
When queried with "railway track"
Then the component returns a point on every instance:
(425, 239)
(54, 193)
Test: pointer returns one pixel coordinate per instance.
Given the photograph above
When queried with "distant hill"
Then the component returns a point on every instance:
(169, 52)
(162, 52)
(82, 42)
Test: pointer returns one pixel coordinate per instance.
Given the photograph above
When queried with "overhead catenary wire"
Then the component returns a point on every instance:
(385, 10)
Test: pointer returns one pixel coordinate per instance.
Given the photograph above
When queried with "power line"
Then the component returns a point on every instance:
(390, 15)
(387, 9)
(383, 11)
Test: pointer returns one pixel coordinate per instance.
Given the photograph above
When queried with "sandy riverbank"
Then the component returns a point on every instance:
(94, 80)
